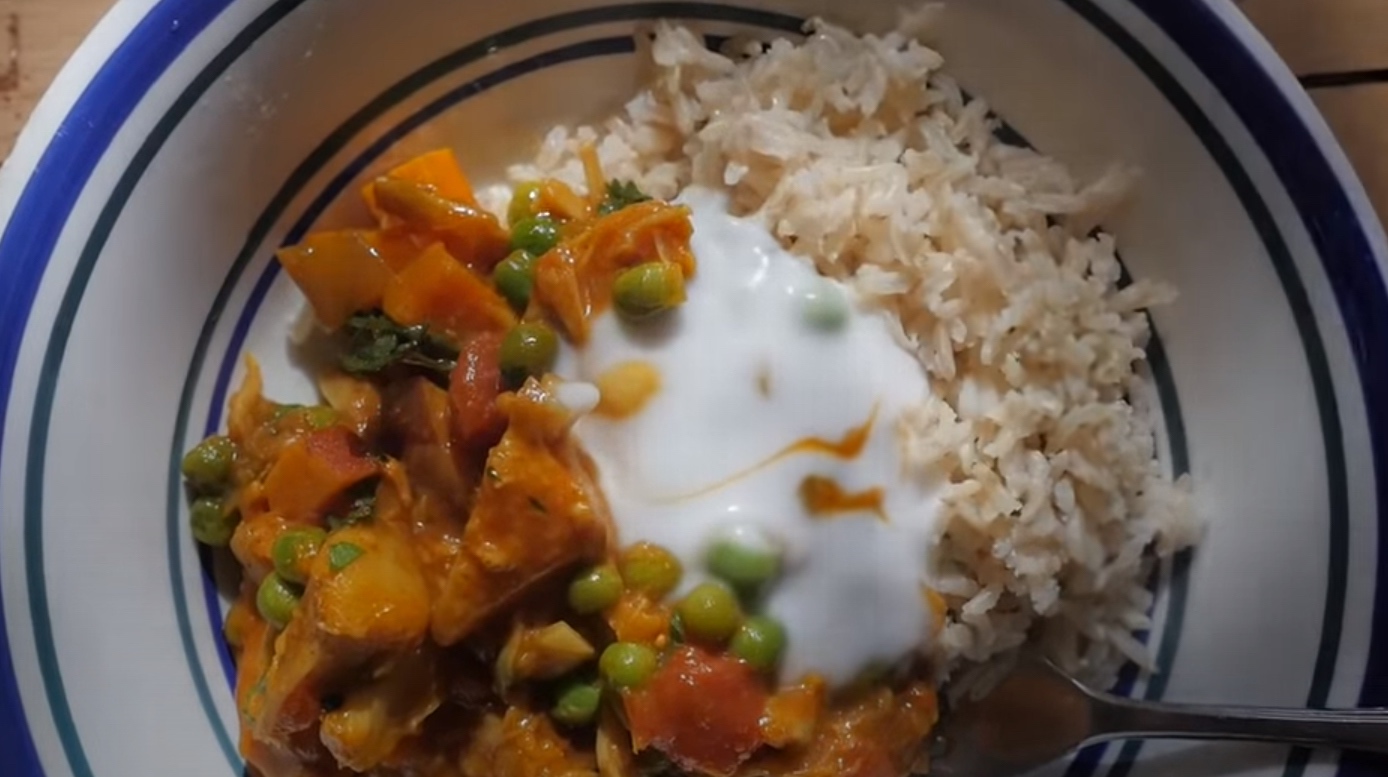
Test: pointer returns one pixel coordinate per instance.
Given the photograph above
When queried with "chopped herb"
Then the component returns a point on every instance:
(653, 763)
(376, 343)
(538, 505)
(361, 508)
(677, 629)
(342, 554)
(620, 194)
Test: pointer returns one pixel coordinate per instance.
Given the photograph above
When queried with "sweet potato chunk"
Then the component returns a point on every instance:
(312, 472)
(474, 236)
(438, 170)
(438, 291)
(340, 273)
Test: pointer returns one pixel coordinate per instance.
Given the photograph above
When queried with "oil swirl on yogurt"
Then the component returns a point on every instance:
(765, 375)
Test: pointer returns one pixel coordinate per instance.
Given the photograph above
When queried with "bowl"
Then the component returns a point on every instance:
(188, 139)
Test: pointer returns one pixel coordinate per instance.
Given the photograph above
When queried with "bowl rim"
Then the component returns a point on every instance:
(138, 40)
(1348, 236)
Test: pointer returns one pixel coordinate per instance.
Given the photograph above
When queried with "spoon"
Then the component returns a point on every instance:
(1038, 714)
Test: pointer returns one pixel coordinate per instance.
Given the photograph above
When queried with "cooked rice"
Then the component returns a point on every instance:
(865, 159)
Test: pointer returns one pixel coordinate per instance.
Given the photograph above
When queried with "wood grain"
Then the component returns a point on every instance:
(1357, 114)
(1318, 36)
(36, 38)
(1343, 38)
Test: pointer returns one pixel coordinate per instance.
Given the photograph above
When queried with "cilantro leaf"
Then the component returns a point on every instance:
(620, 194)
(342, 554)
(361, 508)
(376, 343)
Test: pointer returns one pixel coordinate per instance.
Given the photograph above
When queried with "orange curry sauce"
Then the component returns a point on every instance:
(405, 547)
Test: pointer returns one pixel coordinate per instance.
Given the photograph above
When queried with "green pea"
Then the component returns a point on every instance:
(648, 289)
(627, 665)
(208, 466)
(710, 613)
(651, 570)
(534, 235)
(595, 590)
(528, 350)
(746, 568)
(577, 704)
(276, 599)
(525, 203)
(825, 308)
(294, 550)
(514, 278)
(212, 523)
(760, 642)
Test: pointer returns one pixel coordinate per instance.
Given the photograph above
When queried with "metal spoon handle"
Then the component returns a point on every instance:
(1116, 718)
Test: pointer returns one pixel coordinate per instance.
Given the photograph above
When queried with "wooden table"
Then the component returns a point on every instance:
(1339, 48)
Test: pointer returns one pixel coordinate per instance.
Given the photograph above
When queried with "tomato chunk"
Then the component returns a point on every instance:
(702, 710)
(473, 388)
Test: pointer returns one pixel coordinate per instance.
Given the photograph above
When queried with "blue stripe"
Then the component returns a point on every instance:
(351, 129)
(30, 236)
(22, 260)
(1322, 382)
(53, 358)
(319, 158)
(1345, 252)
(1087, 760)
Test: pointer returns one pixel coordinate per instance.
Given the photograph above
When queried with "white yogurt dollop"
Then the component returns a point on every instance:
(763, 356)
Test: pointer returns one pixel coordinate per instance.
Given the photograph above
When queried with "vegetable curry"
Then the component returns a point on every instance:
(430, 582)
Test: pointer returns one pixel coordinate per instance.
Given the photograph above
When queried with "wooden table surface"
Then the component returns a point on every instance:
(1339, 48)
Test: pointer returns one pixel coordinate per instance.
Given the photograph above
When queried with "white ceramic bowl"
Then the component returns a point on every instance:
(190, 138)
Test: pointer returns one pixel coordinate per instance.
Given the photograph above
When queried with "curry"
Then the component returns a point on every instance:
(431, 584)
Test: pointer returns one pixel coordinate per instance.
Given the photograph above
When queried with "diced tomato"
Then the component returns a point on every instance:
(473, 388)
(702, 710)
(336, 448)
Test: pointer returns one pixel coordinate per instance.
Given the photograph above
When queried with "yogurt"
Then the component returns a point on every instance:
(772, 385)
